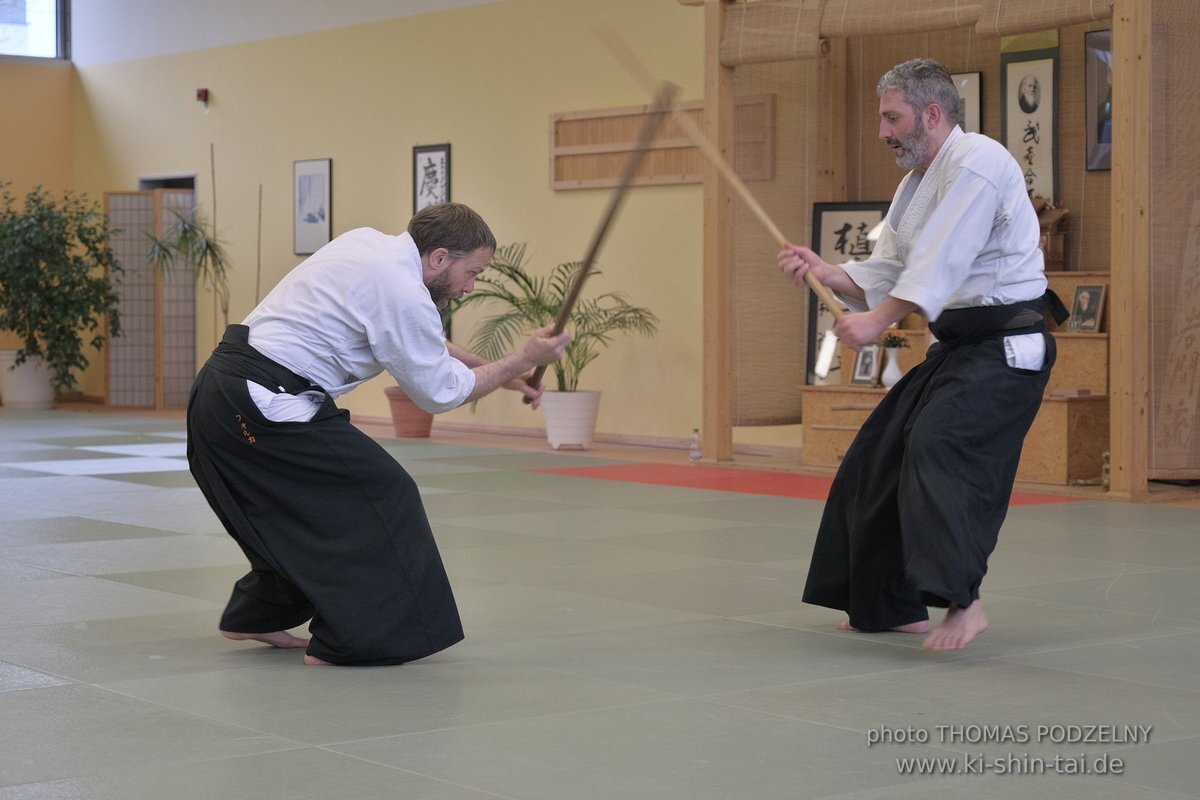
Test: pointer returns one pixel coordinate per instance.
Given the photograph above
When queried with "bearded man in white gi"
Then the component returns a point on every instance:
(920, 496)
(333, 527)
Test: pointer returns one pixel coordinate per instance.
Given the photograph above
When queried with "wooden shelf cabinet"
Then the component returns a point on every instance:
(1065, 444)
(1069, 435)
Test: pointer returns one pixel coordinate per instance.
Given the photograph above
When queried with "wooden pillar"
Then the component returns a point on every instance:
(718, 245)
(1131, 267)
(829, 183)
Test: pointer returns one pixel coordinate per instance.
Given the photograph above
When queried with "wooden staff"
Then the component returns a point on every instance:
(664, 97)
(636, 68)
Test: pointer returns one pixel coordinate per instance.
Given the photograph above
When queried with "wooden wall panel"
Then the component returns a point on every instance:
(589, 149)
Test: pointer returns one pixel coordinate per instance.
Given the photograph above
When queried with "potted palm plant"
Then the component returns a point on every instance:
(526, 302)
(58, 279)
(191, 242)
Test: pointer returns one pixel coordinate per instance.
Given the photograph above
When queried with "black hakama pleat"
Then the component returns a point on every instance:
(918, 501)
(333, 527)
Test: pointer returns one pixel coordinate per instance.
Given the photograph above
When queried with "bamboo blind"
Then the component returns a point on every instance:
(760, 31)
(770, 314)
(772, 32)
(1010, 17)
(1174, 246)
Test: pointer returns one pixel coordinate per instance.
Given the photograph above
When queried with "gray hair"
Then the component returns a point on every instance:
(453, 226)
(924, 82)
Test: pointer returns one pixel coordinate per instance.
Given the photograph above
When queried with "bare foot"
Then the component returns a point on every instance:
(313, 661)
(281, 639)
(920, 626)
(957, 628)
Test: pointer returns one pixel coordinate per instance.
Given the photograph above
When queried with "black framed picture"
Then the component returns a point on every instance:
(840, 234)
(313, 198)
(431, 175)
(970, 106)
(1097, 64)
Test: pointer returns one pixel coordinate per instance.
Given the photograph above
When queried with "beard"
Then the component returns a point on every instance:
(439, 290)
(916, 147)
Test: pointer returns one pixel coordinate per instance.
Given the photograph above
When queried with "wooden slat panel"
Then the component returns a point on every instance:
(589, 149)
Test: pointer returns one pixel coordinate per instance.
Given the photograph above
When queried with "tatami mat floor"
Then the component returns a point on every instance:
(624, 640)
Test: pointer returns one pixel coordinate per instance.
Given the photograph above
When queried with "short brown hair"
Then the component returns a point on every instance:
(924, 82)
(453, 226)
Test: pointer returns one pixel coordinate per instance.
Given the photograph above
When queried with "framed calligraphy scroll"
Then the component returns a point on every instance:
(431, 175)
(840, 234)
(1027, 114)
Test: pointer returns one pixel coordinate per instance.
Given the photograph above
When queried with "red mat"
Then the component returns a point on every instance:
(745, 481)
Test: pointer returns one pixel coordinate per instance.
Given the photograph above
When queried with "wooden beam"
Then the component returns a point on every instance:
(718, 247)
(829, 184)
(1129, 310)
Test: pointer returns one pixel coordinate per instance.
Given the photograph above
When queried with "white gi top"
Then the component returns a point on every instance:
(354, 308)
(961, 234)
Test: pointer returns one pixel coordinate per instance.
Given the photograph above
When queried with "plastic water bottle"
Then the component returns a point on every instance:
(694, 452)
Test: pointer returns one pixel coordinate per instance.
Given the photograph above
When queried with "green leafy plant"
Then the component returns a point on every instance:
(58, 279)
(191, 241)
(893, 339)
(528, 302)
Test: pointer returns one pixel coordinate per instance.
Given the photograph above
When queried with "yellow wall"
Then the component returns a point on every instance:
(35, 137)
(485, 79)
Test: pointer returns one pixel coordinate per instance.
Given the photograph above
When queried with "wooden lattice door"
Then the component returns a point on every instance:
(153, 362)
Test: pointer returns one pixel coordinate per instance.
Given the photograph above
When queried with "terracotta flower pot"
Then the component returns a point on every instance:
(409, 421)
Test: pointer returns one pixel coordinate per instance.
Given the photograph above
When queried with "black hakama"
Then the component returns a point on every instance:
(333, 527)
(918, 501)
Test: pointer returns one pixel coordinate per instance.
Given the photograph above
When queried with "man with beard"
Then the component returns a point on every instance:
(333, 527)
(920, 496)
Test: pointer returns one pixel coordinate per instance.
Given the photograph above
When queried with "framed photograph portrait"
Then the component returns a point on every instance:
(970, 106)
(431, 175)
(866, 366)
(1027, 111)
(1097, 65)
(840, 233)
(312, 197)
(1087, 310)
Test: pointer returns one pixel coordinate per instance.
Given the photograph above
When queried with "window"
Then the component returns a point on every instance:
(36, 28)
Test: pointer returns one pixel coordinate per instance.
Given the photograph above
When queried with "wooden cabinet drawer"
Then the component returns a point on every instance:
(832, 416)
(825, 445)
(838, 405)
(1082, 362)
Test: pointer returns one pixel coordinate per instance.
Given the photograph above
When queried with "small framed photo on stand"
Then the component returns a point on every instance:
(431, 175)
(1088, 308)
(866, 366)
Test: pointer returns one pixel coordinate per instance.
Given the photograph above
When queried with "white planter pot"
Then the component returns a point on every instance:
(570, 418)
(891, 367)
(28, 386)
